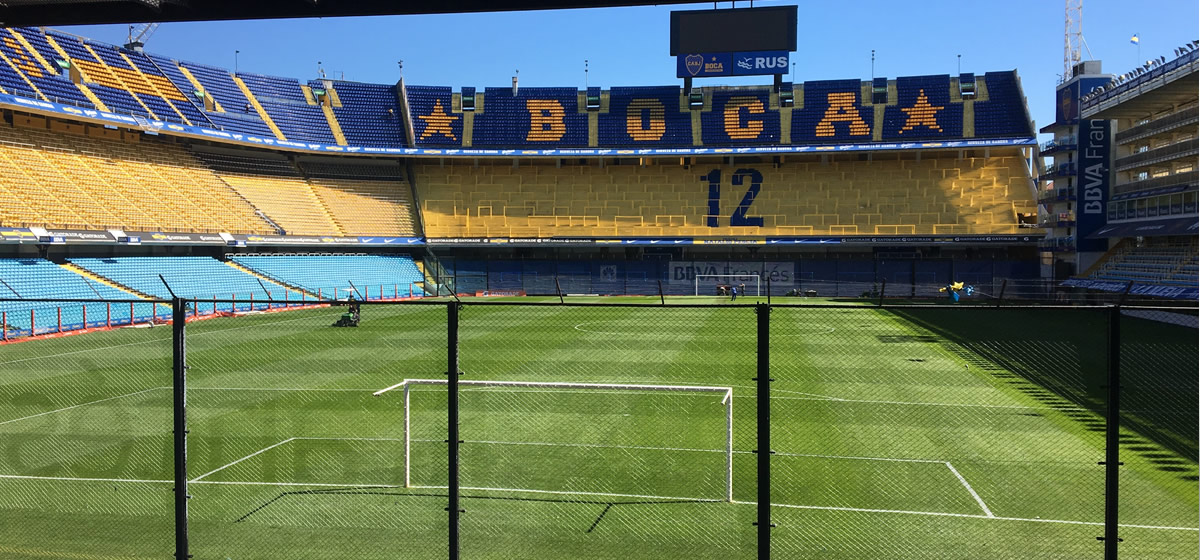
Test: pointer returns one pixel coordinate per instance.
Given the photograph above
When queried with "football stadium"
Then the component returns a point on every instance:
(245, 315)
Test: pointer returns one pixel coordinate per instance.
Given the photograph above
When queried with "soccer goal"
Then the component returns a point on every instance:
(726, 394)
(706, 284)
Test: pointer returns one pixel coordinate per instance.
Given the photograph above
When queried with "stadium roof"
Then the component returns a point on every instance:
(15, 13)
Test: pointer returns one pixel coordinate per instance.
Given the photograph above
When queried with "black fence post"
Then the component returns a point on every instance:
(1112, 435)
(179, 392)
(452, 439)
(763, 396)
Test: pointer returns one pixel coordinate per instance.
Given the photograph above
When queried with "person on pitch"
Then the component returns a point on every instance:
(355, 308)
(734, 291)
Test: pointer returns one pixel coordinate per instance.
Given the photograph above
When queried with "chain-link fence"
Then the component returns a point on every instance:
(85, 432)
(510, 429)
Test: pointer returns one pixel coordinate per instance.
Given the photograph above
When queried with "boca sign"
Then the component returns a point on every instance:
(707, 65)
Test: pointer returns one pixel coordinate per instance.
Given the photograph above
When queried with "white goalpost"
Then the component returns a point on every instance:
(726, 392)
(729, 279)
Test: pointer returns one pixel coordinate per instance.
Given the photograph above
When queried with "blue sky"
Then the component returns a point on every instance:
(629, 46)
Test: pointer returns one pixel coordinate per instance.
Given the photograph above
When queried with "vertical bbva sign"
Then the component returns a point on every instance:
(1092, 182)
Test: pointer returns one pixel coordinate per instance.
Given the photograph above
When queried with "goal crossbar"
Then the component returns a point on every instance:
(725, 392)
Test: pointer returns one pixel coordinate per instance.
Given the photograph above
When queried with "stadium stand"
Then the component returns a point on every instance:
(198, 278)
(364, 199)
(434, 124)
(369, 114)
(89, 182)
(741, 116)
(32, 61)
(1155, 262)
(645, 116)
(1003, 114)
(890, 195)
(547, 117)
(924, 110)
(372, 276)
(288, 107)
(832, 112)
(40, 278)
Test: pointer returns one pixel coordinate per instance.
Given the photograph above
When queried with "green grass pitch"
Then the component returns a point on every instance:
(905, 433)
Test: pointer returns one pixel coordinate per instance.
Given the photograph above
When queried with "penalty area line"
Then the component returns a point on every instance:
(974, 516)
(256, 453)
(969, 489)
(603, 494)
(81, 404)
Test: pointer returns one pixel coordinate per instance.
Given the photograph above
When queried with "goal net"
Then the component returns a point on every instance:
(525, 446)
(710, 284)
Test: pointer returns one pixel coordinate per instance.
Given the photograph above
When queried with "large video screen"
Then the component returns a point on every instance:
(733, 30)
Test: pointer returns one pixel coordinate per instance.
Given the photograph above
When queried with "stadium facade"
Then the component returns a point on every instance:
(1119, 199)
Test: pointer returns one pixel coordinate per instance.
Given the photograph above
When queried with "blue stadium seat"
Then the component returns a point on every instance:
(199, 278)
(645, 117)
(434, 125)
(1003, 114)
(923, 110)
(740, 116)
(40, 278)
(832, 113)
(370, 114)
(371, 275)
(535, 117)
(51, 84)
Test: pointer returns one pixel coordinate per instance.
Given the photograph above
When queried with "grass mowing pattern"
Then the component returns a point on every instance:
(922, 433)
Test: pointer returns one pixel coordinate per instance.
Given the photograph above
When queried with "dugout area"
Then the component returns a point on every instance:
(918, 431)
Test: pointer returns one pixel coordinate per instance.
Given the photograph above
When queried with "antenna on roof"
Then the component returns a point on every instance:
(516, 73)
(585, 73)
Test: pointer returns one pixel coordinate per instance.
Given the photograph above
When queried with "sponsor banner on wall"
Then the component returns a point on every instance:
(296, 240)
(1093, 183)
(405, 241)
(500, 293)
(76, 236)
(754, 63)
(39, 235)
(157, 237)
(685, 271)
(16, 235)
(1172, 292)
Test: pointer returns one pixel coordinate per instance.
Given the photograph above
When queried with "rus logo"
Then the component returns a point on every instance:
(694, 63)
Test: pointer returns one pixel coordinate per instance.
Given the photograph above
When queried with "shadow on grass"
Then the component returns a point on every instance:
(1059, 357)
(391, 491)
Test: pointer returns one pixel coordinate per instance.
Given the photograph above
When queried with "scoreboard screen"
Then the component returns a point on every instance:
(733, 30)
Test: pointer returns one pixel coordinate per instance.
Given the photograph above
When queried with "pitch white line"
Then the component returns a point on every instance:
(81, 404)
(79, 479)
(260, 451)
(650, 448)
(164, 340)
(354, 438)
(294, 484)
(602, 494)
(911, 403)
(974, 516)
(281, 389)
(969, 489)
(571, 493)
(816, 397)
